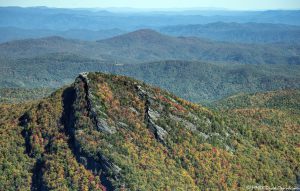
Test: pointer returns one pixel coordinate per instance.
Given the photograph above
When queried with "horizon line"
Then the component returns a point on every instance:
(170, 9)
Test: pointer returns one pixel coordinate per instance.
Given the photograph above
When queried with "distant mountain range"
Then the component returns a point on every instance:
(66, 19)
(95, 24)
(208, 70)
(238, 32)
(13, 33)
(120, 125)
(148, 45)
(220, 31)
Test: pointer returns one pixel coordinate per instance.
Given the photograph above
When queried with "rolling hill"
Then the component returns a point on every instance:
(133, 120)
(108, 132)
(148, 45)
(194, 81)
(238, 32)
(14, 33)
(220, 31)
(279, 99)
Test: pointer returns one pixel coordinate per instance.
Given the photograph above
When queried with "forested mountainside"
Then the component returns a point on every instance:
(238, 32)
(279, 99)
(14, 33)
(148, 46)
(195, 81)
(108, 132)
(17, 95)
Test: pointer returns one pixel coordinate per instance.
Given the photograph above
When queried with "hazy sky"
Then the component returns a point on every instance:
(228, 4)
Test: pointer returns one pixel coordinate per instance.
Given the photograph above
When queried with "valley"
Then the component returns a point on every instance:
(130, 98)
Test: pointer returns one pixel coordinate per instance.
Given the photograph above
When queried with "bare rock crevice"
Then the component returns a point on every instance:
(151, 116)
(97, 163)
(100, 123)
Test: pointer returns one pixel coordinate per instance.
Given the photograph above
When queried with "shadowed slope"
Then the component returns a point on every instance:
(134, 136)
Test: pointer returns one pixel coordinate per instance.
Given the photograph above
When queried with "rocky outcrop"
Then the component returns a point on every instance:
(190, 126)
(100, 123)
(98, 164)
(151, 115)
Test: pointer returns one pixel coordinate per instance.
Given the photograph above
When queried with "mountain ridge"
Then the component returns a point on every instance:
(109, 132)
(261, 33)
(50, 18)
(148, 46)
(199, 81)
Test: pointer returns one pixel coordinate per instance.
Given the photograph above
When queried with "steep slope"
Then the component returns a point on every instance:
(112, 132)
(148, 45)
(34, 149)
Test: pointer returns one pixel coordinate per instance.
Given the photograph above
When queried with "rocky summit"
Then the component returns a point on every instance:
(109, 132)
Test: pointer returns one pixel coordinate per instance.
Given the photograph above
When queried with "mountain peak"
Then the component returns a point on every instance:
(54, 38)
(145, 32)
(110, 132)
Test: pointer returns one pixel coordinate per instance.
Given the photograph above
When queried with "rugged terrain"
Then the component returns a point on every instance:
(108, 132)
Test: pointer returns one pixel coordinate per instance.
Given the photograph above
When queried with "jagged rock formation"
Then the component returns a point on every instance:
(100, 123)
(108, 132)
(151, 115)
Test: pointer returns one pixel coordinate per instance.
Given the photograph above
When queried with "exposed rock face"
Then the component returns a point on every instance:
(151, 115)
(153, 109)
(101, 123)
(190, 126)
(108, 132)
(100, 165)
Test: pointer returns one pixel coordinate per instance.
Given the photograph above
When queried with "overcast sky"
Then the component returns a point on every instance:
(148, 4)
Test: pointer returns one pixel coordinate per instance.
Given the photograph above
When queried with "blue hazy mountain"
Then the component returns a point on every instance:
(238, 32)
(148, 45)
(13, 33)
(64, 19)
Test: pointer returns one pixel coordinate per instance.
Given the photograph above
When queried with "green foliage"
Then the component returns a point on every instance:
(39, 156)
(281, 99)
(106, 127)
(16, 95)
(15, 165)
(148, 46)
(194, 81)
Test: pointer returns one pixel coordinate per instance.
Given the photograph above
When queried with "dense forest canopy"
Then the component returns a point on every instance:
(131, 99)
(107, 132)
